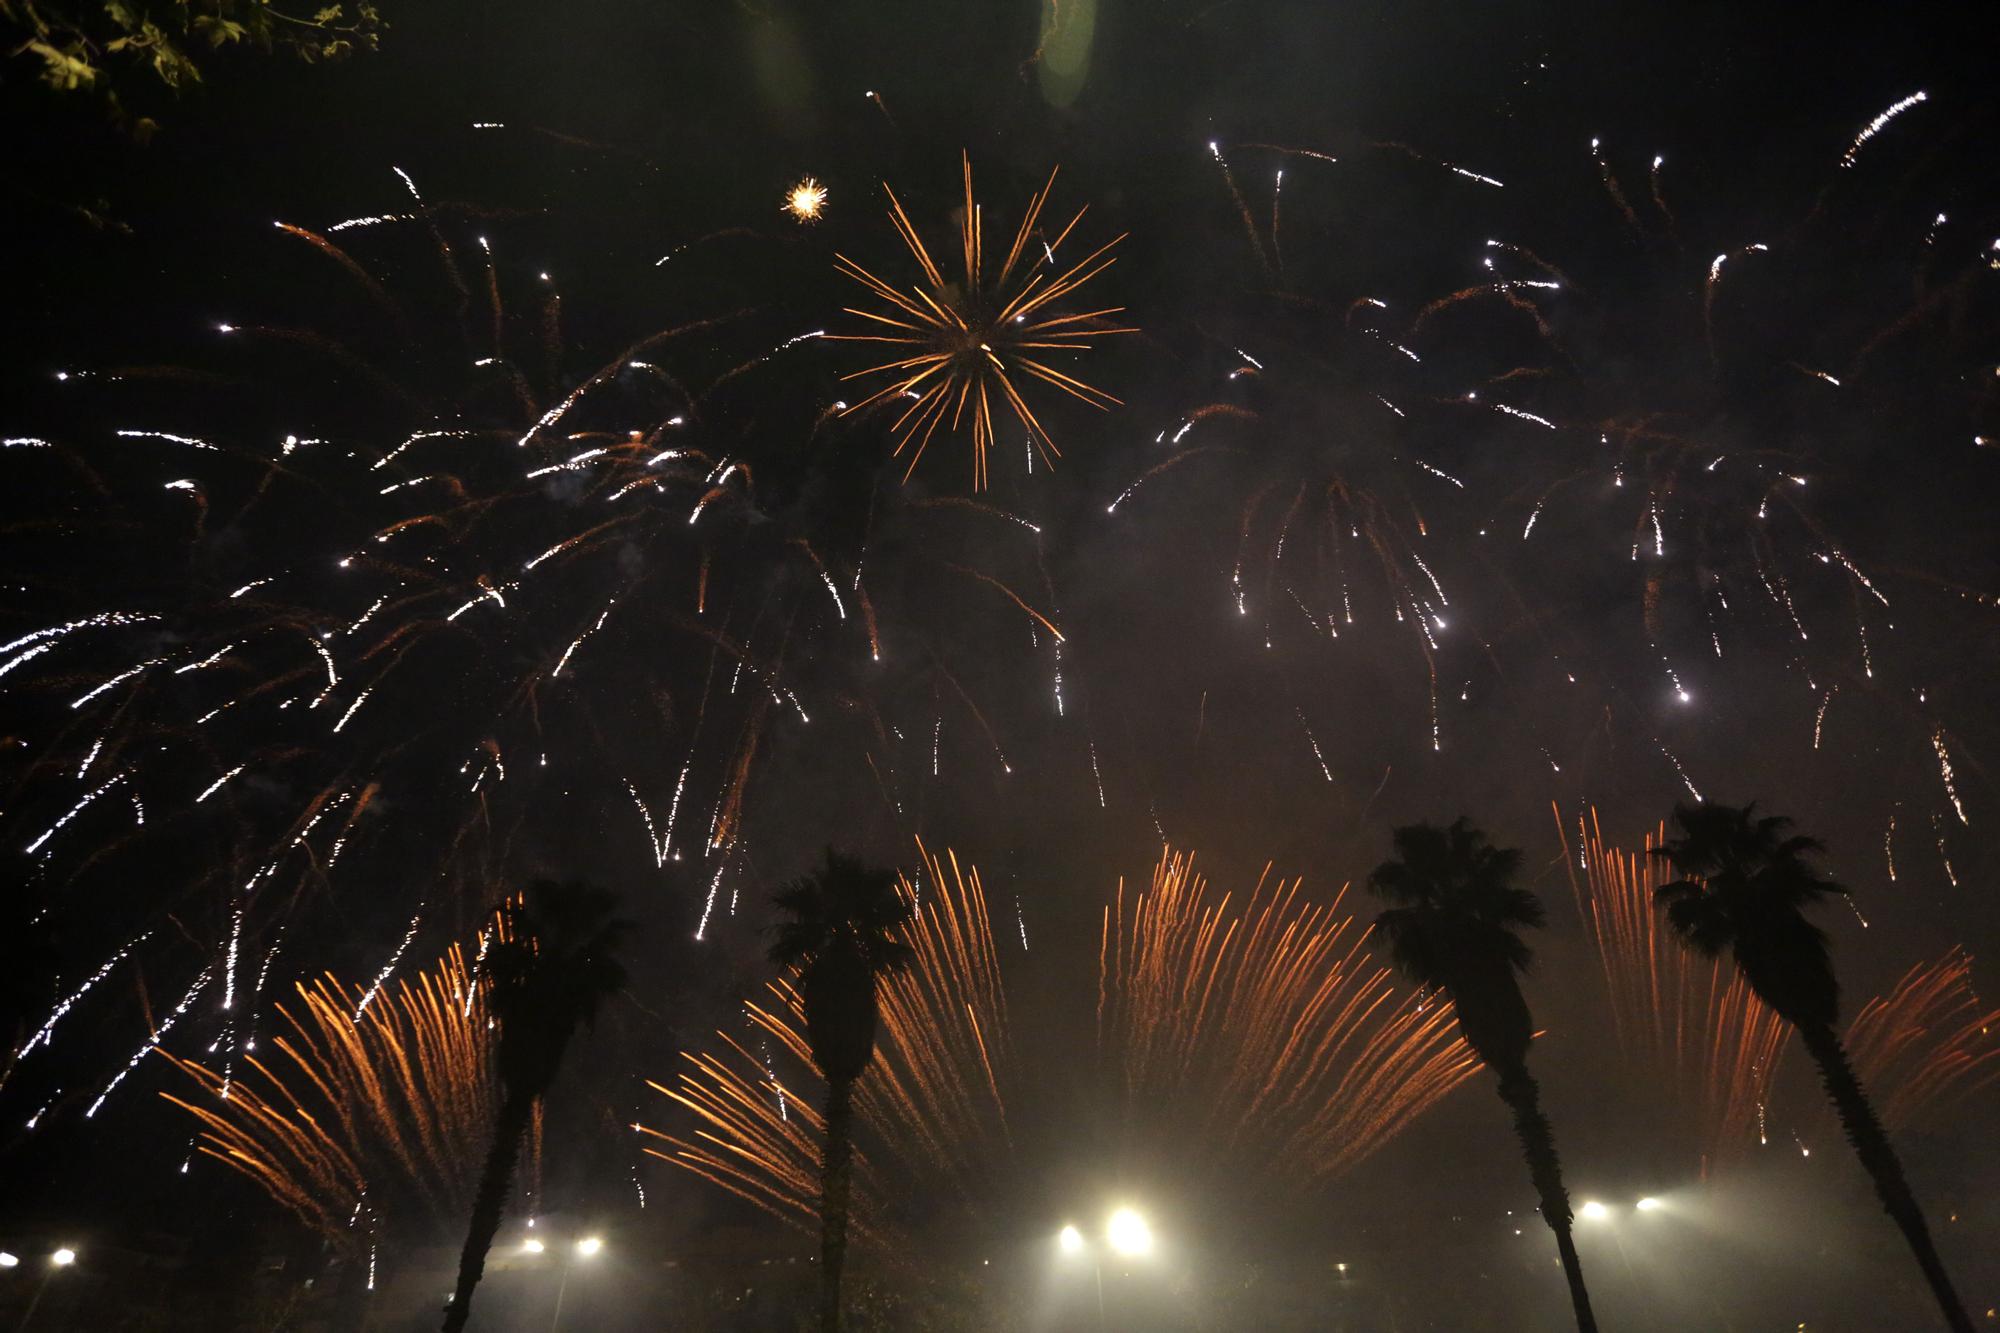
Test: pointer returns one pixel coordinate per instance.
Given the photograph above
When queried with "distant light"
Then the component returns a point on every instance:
(1594, 1211)
(1128, 1233)
(7, 1260)
(63, 1258)
(1648, 1204)
(1341, 1268)
(225, 328)
(531, 1224)
(1070, 1239)
(533, 1246)
(589, 1245)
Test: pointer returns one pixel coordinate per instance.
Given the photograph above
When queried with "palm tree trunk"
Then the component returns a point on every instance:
(1538, 1145)
(836, 1188)
(496, 1183)
(1871, 1145)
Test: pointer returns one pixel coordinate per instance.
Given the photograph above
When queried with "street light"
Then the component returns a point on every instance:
(8, 1260)
(533, 1246)
(61, 1259)
(585, 1248)
(1071, 1241)
(1648, 1204)
(1128, 1233)
(1593, 1211)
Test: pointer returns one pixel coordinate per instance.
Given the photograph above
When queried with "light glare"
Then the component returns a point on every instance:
(1128, 1233)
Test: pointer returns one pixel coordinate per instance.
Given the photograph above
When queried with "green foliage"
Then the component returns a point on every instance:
(98, 47)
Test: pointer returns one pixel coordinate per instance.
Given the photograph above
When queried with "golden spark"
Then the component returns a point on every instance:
(806, 201)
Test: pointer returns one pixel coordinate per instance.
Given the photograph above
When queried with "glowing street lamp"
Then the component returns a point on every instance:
(58, 1261)
(1070, 1239)
(533, 1246)
(1648, 1204)
(586, 1248)
(1593, 1211)
(1128, 1233)
(9, 1260)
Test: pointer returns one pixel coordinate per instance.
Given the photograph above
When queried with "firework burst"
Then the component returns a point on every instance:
(375, 1108)
(1269, 1039)
(966, 344)
(1266, 1039)
(933, 1092)
(1697, 1031)
(806, 201)
(567, 575)
(1691, 1023)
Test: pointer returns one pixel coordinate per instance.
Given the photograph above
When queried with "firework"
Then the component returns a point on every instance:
(1926, 1043)
(934, 1090)
(806, 201)
(1271, 1041)
(381, 1113)
(1266, 1040)
(1695, 1029)
(1706, 1044)
(965, 345)
(566, 575)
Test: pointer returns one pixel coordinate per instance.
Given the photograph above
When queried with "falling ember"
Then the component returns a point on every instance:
(1945, 773)
(806, 201)
(1874, 127)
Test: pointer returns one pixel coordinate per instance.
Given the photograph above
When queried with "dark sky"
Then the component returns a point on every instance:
(633, 129)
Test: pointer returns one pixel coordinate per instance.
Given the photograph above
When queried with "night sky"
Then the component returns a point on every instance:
(1836, 655)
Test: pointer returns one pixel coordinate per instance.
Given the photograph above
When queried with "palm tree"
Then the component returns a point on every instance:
(1454, 930)
(1744, 887)
(840, 933)
(554, 968)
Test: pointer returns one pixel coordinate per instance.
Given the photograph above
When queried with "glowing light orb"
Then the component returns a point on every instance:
(1129, 1233)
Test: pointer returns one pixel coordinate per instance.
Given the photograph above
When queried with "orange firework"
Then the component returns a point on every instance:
(1269, 1039)
(1276, 1030)
(1690, 1022)
(934, 1089)
(1700, 1033)
(964, 341)
(1928, 1041)
(378, 1097)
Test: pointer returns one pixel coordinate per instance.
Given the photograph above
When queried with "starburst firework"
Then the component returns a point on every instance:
(966, 341)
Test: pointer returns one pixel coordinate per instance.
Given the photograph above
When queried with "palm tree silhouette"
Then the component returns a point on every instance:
(1744, 887)
(840, 933)
(549, 973)
(1455, 930)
